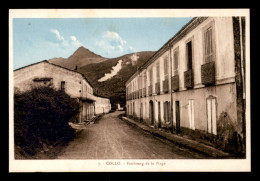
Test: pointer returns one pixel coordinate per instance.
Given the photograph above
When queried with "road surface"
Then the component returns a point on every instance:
(112, 138)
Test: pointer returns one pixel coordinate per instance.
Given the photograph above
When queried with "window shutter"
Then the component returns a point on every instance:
(63, 85)
(158, 72)
(144, 79)
(189, 55)
(151, 76)
(175, 62)
(165, 68)
(208, 45)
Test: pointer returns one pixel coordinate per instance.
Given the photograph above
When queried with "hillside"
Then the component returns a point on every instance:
(114, 88)
(108, 76)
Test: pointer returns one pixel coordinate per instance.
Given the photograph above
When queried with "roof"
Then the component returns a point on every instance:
(182, 32)
(45, 61)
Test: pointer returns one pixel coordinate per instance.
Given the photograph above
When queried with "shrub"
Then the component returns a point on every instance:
(41, 116)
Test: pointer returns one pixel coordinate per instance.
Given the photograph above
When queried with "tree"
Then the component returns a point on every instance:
(41, 115)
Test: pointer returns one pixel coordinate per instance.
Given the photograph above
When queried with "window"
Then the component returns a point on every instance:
(191, 114)
(134, 108)
(45, 81)
(145, 79)
(211, 115)
(189, 55)
(166, 68)
(62, 86)
(208, 45)
(166, 107)
(141, 111)
(136, 83)
(140, 82)
(144, 109)
(151, 76)
(176, 62)
(158, 71)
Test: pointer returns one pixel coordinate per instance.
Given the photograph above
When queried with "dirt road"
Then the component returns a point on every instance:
(112, 138)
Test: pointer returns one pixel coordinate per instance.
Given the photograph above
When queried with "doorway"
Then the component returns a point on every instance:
(141, 112)
(177, 115)
(159, 115)
(211, 116)
(151, 112)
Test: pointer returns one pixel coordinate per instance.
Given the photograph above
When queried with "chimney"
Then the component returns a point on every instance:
(76, 68)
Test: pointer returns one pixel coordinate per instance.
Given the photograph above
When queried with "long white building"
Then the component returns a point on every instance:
(195, 82)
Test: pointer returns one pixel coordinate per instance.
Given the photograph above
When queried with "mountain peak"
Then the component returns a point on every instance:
(84, 52)
(82, 49)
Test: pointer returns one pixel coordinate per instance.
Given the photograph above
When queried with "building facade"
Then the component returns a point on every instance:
(195, 82)
(72, 82)
(102, 105)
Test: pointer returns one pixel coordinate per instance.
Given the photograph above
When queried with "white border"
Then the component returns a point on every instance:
(101, 165)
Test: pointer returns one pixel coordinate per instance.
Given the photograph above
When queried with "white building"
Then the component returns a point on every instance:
(72, 82)
(195, 81)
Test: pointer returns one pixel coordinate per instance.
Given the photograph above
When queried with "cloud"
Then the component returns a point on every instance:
(75, 41)
(113, 44)
(57, 33)
(113, 72)
(73, 38)
(114, 37)
(120, 48)
(59, 41)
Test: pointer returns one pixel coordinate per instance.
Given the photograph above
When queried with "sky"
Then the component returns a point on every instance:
(38, 39)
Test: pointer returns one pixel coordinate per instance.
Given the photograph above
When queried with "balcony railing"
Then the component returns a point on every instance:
(175, 82)
(144, 92)
(208, 73)
(188, 78)
(166, 86)
(157, 87)
(150, 90)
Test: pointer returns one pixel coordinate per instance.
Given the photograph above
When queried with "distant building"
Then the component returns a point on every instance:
(72, 82)
(195, 83)
(119, 108)
(102, 105)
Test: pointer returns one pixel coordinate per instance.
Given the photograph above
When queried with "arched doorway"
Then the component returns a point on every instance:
(151, 112)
